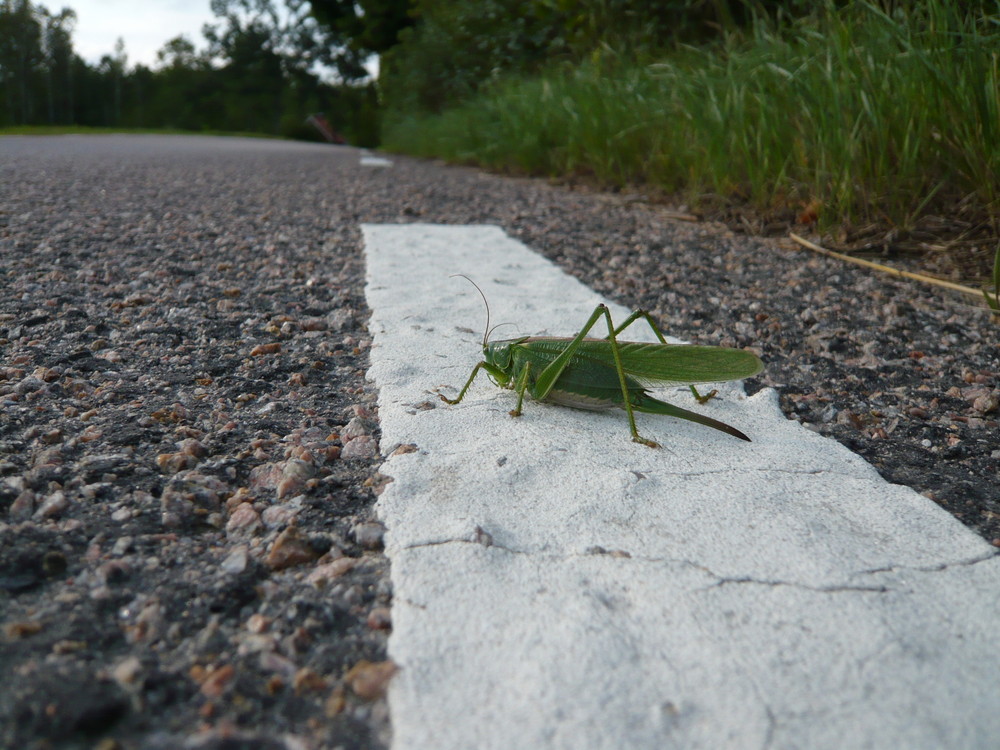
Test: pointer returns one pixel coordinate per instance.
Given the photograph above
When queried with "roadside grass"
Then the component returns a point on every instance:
(992, 295)
(850, 117)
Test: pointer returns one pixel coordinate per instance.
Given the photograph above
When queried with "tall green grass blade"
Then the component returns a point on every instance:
(873, 115)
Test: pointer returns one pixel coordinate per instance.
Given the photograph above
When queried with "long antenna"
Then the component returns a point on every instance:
(486, 332)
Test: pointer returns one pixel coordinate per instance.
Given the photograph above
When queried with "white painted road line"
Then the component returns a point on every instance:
(367, 160)
(709, 594)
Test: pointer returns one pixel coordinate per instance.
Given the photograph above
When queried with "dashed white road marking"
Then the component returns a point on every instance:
(558, 586)
(368, 160)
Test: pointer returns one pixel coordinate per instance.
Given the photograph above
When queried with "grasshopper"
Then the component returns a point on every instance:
(597, 374)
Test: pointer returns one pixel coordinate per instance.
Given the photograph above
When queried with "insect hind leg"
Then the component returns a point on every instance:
(636, 316)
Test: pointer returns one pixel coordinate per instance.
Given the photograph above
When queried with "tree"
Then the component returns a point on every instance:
(359, 29)
(178, 52)
(21, 59)
(57, 48)
(455, 47)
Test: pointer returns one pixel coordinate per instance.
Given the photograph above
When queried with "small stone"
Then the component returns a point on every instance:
(171, 463)
(481, 536)
(190, 493)
(92, 467)
(335, 703)
(114, 572)
(983, 404)
(380, 618)
(362, 447)
(258, 623)
(295, 474)
(192, 447)
(68, 646)
(236, 561)
(271, 661)
(21, 629)
(122, 545)
(298, 468)
(266, 476)
(29, 385)
(128, 671)
(356, 428)
(277, 516)
(52, 436)
(215, 683)
(306, 680)
(244, 521)
(314, 324)
(340, 319)
(261, 349)
(174, 414)
(369, 680)
(23, 506)
(289, 549)
(327, 572)
(54, 505)
(369, 534)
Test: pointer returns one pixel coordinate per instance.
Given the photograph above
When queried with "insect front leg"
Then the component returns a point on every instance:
(499, 375)
(521, 386)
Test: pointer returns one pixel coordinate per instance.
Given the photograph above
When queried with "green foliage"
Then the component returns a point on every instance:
(256, 74)
(361, 28)
(870, 111)
(457, 46)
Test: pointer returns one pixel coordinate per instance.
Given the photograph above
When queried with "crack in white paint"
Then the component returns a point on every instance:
(558, 586)
(624, 557)
(936, 568)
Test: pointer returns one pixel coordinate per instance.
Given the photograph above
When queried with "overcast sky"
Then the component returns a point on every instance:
(144, 25)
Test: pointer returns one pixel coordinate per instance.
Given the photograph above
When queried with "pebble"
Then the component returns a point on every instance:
(369, 534)
(244, 521)
(323, 574)
(236, 561)
(189, 493)
(278, 516)
(359, 448)
(53, 506)
(23, 506)
(291, 548)
(380, 618)
(370, 681)
(128, 671)
(356, 428)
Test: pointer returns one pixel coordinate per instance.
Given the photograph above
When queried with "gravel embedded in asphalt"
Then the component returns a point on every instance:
(188, 460)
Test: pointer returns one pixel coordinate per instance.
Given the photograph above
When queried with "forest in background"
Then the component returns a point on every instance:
(256, 70)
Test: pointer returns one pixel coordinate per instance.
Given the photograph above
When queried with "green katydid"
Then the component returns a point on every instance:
(597, 374)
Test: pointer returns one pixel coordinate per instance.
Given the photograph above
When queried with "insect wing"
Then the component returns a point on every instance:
(587, 377)
(676, 364)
